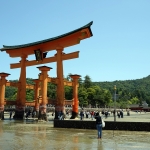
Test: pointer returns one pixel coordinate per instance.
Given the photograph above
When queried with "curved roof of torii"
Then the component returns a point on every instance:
(65, 40)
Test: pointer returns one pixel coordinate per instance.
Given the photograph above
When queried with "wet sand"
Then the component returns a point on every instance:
(33, 135)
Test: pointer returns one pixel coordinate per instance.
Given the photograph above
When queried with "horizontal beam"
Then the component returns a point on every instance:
(68, 83)
(56, 80)
(28, 86)
(16, 84)
(49, 101)
(52, 80)
(46, 60)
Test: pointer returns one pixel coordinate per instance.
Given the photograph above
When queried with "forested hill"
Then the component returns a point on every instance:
(139, 88)
(96, 93)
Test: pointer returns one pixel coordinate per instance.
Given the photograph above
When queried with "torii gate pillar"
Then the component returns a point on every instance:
(43, 105)
(36, 96)
(2, 93)
(60, 86)
(21, 95)
(75, 96)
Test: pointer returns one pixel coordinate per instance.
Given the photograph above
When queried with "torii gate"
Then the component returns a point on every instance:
(39, 49)
(74, 83)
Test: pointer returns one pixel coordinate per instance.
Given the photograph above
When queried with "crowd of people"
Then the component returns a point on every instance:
(30, 113)
(96, 115)
(105, 113)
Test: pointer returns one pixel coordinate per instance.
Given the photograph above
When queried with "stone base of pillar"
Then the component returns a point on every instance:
(42, 113)
(37, 110)
(37, 114)
(1, 112)
(58, 109)
(74, 115)
(42, 116)
(56, 115)
(1, 115)
(19, 113)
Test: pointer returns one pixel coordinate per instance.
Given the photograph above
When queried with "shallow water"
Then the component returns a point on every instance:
(31, 135)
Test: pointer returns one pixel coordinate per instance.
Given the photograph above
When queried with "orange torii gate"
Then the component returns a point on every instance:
(36, 89)
(43, 77)
(16, 84)
(74, 83)
(40, 49)
(2, 93)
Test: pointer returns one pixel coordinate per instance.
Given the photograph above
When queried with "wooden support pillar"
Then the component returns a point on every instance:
(36, 96)
(43, 105)
(2, 93)
(75, 96)
(60, 85)
(21, 95)
(23, 81)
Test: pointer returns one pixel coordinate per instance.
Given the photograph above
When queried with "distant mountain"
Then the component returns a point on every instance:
(133, 91)
(130, 88)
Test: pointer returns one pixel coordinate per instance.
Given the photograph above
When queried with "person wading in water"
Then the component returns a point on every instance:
(99, 125)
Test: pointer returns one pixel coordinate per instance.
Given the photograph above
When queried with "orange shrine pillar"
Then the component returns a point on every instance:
(43, 105)
(2, 93)
(75, 96)
(60, 85)
(36, 96)
(21, 95)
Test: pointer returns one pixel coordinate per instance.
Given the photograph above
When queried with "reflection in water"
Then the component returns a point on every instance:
(75, 141)
(100, 145)
(34, 136)
(1, 131)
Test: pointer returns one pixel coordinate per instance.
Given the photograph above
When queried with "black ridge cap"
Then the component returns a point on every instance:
(47, 40)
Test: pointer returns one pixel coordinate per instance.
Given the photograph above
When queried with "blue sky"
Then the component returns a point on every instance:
(118, 50)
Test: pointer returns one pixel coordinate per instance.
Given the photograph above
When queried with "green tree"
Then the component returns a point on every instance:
(134, 100)
(87, 82)
(68, 92)
(82, 94)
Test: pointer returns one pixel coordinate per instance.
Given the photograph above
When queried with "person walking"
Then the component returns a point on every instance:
(81, 115)
(10, 114)
(62, 115)
(99, 125)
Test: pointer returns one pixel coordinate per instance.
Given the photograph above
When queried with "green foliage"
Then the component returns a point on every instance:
(68, 92)
(29, 95)
(11, 93)
(87, 82)
(51, 91)
(83, 101)
(96, 93)
(133, 91)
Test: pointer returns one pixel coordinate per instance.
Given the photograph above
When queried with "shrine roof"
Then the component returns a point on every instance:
(48, 40)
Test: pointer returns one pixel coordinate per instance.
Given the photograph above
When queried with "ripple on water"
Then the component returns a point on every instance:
(43, 136)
